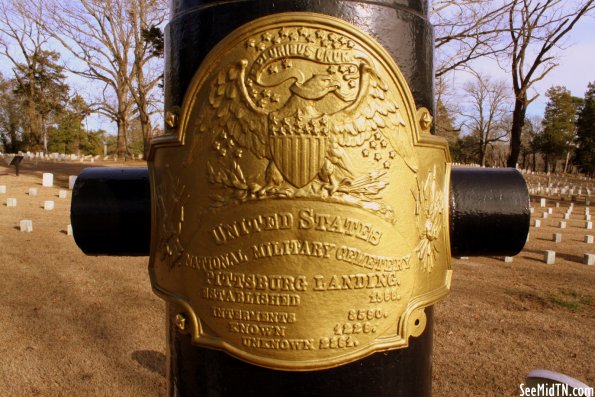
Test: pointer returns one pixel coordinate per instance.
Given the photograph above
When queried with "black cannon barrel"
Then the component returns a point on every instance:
(111, 211)
(489, 211)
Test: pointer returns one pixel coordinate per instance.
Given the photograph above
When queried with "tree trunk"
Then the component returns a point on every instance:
(144, 118)
(482, 153)
(518, 121)
(122, 122)
(13, 138)
(122, 146)
(145, 125)
(31, 135)
(567, 161)
(44, 135)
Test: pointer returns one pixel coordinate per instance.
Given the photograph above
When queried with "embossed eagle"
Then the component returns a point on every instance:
(303, 123)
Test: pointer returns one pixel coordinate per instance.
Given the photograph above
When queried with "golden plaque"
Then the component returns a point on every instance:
(300, 219)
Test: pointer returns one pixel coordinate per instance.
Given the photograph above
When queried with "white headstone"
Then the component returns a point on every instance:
(557, 205)
(48, 179)
(71, 181)
(542, 203)
(11, 202)
(26, 226)
(531, 210)
(557, 238)
(32, 191)
(589, 259)
(589, 239)
(508, 259)
(566, 217)
(589, 225)
(62, 194)
(544, 215)
(69, 230)
(549, 257)
(2, 189)
(550, 211)
(48, 205)
(587, 217)
(537, 223)
(562, 225)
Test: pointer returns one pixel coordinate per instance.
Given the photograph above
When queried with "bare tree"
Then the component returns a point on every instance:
(21, 43)
(11, 120)
(96, 34)
(146, 16)
(530, 142)
(105, 37)
(497, 154)
(536, 29)
(467, 30)
(486, 112)
(447, 107)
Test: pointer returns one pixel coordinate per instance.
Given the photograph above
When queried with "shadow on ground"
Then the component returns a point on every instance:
(152, 360)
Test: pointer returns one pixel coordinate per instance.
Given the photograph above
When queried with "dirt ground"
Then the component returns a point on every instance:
(72, 325)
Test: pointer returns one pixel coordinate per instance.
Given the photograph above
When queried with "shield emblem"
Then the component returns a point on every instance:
(298, 157)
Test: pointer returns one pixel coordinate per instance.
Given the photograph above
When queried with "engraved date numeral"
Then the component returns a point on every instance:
(338, 342)
(369, 314)
(354, 329)
(388, 295)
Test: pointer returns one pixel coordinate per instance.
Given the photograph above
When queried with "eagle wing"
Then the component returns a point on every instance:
(231, 113)
(370, 113)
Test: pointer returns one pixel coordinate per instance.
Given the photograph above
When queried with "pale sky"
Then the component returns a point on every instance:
(576, 67)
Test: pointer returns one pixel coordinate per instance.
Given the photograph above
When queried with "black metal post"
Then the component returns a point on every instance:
(195, 371)
(106, 200)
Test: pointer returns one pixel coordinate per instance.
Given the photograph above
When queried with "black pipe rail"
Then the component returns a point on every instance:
(489, 211)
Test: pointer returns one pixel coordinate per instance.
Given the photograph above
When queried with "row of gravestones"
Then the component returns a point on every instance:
(560, 185)
(562, 224)
(551, 176)
(56, 157)
(573, 194)
(52, 157)
(549, 256)
(26, 225)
